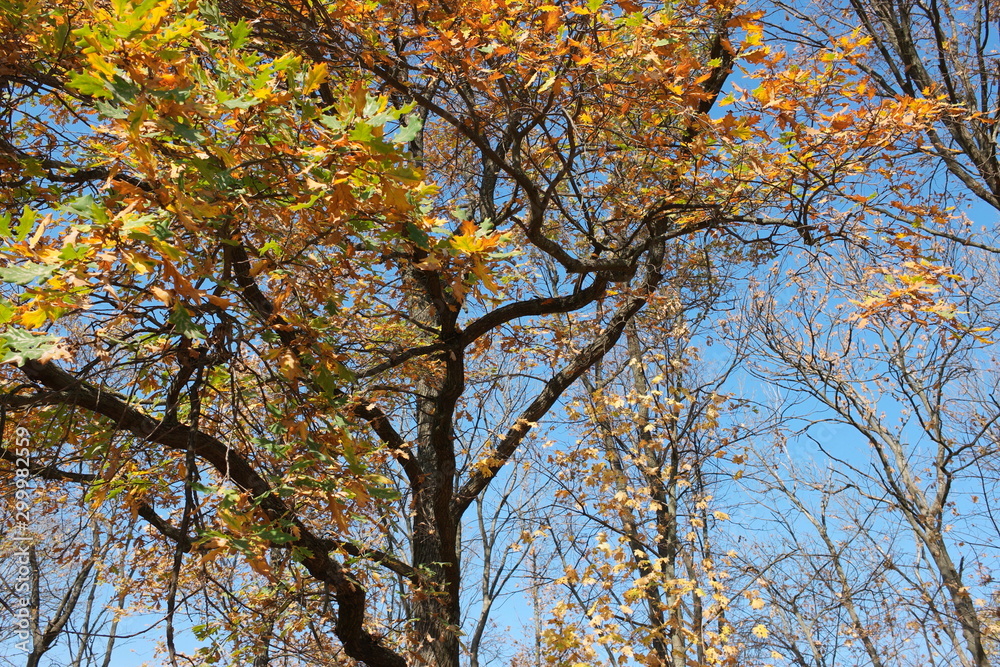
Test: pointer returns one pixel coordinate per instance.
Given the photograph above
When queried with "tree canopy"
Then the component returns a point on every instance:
(329, 321)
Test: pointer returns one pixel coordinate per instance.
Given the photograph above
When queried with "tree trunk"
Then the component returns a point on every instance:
(436, 604)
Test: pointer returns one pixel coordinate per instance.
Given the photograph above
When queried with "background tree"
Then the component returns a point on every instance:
(923, 401)
(640, 557)
(64, 564)
(935, 51)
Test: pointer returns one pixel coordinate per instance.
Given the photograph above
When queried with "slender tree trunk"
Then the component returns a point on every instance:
(965, 610)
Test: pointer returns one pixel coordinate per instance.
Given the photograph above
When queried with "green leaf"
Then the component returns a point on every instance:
(406, 174)
(24, 274)
(306, 204)
(334, 123)
(407, 133)
(88, 84)
(351, 456)
(274, 247)
(286, 61)
(300, 554)
(20, 345)
(210, 10)
(418, 236)
(344, 373)
(238, 34)
(240, 103)
(203, 488)
(361, 132)
(6, 311)
(381, 119)
(123, 89)
(383, 493)
(327, 382)
(181, 319)
(110, 111)
(276, 536)
(187, 132)
(272, 446)
(372, 105)
(140, 10)
(73, 251)
(87, 207)
(24, 227)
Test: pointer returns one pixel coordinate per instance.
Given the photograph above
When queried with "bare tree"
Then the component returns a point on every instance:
(923, 400)
(54, 582)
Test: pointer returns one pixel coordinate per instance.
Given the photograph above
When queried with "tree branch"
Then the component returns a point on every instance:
(358, 642)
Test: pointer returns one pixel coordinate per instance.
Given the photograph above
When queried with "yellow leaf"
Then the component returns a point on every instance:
(550, 20)
(162, 294)
(548, 83)
(760, 631)
(218, 301)
(315, 77)
(34, 318)
(755, 35)
(138, 262)
(37, 236)
(289, 366)
(215, 543)
(756, 603)
(98, 62)
(484, 275)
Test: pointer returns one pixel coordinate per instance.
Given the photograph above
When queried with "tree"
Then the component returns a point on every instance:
(937, 51)
(924, 402)
(640, 557)
(259, 259)
(56, 582)
(832, 595)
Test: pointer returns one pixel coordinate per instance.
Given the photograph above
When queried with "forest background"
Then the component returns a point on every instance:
(335, 332)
